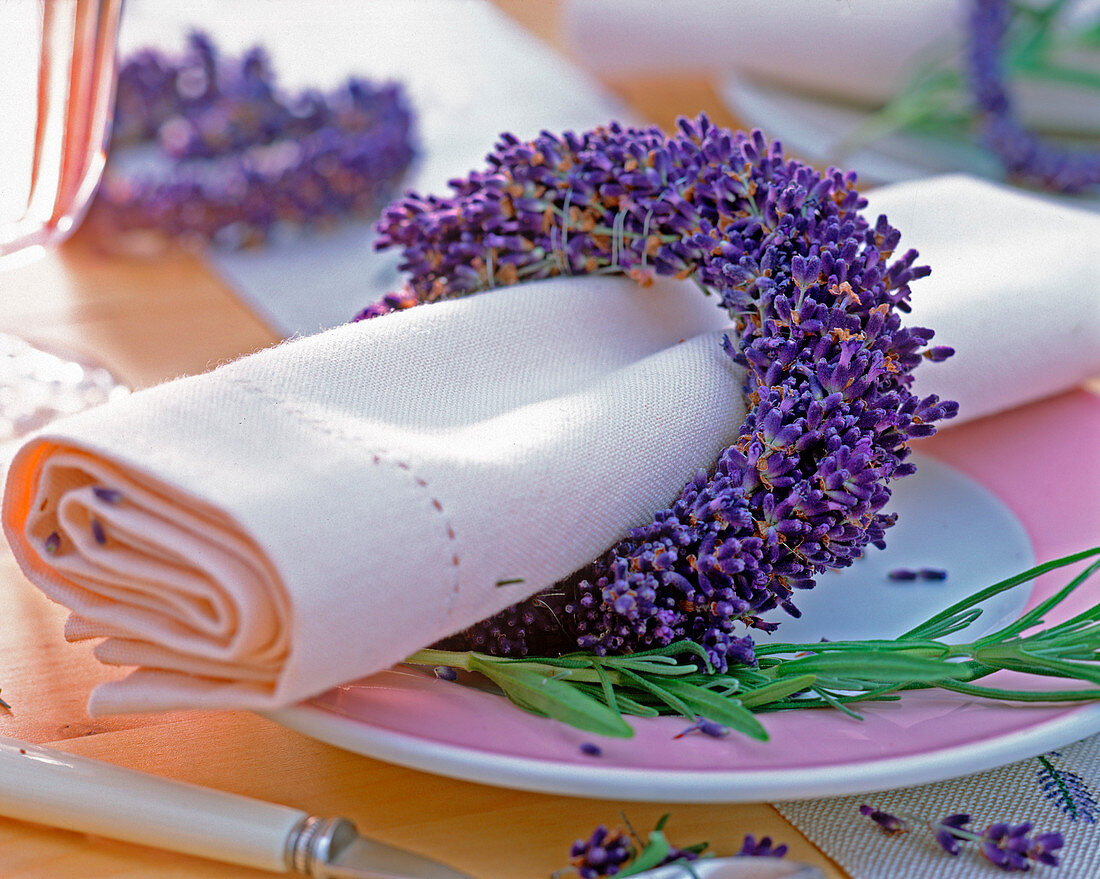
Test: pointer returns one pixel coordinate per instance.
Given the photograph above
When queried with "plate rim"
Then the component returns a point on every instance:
(707, 786)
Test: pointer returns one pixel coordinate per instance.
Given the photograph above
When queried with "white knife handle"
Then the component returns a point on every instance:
(76, 793)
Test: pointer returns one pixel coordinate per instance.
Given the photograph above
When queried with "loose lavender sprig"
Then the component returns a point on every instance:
(244, 158)
(815, 295)
(603, 853)
(1011, 847)
(622, 853)
(1025, 156)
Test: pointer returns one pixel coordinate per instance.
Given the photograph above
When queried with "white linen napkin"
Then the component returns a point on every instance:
(1014, 289)
(317, 511)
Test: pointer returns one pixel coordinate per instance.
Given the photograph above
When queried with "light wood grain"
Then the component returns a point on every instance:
(151, 320)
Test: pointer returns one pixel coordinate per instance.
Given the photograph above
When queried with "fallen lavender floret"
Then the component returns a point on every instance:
(706, 727)
(815, 295)
(602, 854)
(609, 853)
(1011, 847)
(762, 848)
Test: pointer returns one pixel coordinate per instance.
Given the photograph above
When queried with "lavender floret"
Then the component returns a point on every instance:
(602, 854)
(108, 495)
(1011, 847)
(706, 727)
(815, 292)
(764, 848)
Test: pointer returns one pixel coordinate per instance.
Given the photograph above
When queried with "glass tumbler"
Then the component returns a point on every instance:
(57, 75)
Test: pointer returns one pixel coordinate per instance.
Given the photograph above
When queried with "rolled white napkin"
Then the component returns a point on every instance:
(857, 49)
(856, 52)
(318, 511)
(1014, 289)
(315, 512)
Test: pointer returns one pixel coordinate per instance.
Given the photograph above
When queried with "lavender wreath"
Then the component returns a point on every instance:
(234, 158)
(815, 295)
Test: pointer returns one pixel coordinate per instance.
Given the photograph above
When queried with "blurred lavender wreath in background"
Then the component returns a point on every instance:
(207, 148)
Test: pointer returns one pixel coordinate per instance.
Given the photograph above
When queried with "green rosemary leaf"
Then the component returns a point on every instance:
(720, 709)
(656, 850)
(871, 665)
(1019, 695)
(777, 690)
(1035, 616)
(660, 691)
(834, 702)
(629, 706)
(978, 597)
(926, 648)
(607, 689)
(554, 698)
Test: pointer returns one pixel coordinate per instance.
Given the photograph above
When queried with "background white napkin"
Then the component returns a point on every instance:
(859, 52)
(1014, 289)
(317, 511)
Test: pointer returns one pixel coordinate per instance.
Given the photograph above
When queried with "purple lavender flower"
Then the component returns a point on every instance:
(815, 294)
(243, 158)
(889, 823)
(946, 831)
(1007, 846)
(706, 727)
(765, 848)
(108, 495)
(1024, 156)
(602, 854)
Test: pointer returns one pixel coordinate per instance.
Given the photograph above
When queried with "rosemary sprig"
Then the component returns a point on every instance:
(596, 693)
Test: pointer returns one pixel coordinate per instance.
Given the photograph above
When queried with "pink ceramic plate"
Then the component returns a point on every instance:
(979, 526)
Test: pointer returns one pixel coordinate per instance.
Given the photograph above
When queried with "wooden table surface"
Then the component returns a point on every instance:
(151, 320)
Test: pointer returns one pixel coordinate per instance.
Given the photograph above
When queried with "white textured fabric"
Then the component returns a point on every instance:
(1014, 289)
(317, 511)
(1058, 792)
